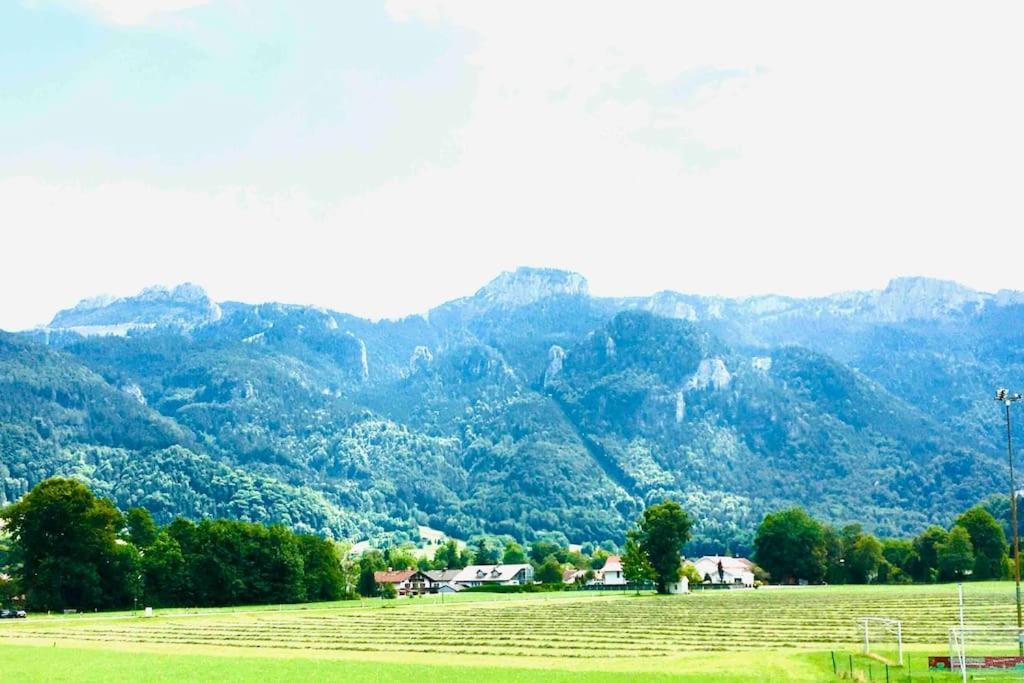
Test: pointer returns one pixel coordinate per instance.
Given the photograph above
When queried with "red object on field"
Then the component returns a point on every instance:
(951, 663)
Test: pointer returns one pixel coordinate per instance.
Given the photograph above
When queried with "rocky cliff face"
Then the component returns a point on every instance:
(184, 306)
(527, 285)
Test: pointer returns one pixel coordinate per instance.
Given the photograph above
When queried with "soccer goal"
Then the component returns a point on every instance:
(880, 632)
(986, 647)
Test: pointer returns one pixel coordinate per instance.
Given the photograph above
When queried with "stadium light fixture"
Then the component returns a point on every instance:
(1007, 399)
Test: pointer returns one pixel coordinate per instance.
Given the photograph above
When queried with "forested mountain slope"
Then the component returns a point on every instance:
(529, 408)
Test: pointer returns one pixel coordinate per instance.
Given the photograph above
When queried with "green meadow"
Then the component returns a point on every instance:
(771, 634)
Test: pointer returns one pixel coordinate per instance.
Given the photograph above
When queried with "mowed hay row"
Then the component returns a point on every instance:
(588, 627)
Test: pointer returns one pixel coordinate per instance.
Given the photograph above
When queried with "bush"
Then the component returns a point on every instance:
(387, 591)
(525, 588)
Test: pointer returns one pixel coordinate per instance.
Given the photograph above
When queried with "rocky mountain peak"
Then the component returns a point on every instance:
(186, 306)
(526, 285)
(908, 298)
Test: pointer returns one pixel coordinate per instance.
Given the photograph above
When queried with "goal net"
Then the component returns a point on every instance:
(882, 637)
(985, 647)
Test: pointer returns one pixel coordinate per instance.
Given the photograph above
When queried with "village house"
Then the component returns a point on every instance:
(733, 571)
(405, 581)
(611, 573)
(570, 576)
(441, 579)
(494, 574)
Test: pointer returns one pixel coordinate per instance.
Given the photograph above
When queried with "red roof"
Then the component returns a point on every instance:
(612, 564)
(393, 577)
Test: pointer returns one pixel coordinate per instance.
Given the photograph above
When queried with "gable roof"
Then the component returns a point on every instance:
(612, 564)
(569, 575)
(442, 575)
(490, 572)
(729, 564)
(393, 577)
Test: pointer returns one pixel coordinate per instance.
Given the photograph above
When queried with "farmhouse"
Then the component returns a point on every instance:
(441, 578)
(611, 573)
(716, 569)
(405, 581)
(494, 574)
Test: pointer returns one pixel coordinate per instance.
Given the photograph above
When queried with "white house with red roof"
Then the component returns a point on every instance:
(718, 569)
(405, 581)
(611, 573)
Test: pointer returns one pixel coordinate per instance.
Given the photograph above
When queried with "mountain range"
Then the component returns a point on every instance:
(530, 408)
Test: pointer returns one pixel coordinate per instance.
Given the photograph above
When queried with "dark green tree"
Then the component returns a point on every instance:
(541, 549)
(399, 558)
(835, 559)
(448, 556)
(661, 532)
(484, 553)
(165, 574)
(864, 559)
(121, 577)
(323, 576)
(67, 541)
(988, 542)
(790, 545)
(142, 530)
(550, 571)
(956, 555)
(513, 554)
(926, 547)
(370, 562)
(900, 561)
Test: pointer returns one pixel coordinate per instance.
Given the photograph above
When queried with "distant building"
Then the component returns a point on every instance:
(573, 575)
(680, 586)
(717, 569)
(448, 588)
(405, 581)
(494, 574)
(359, 548)
(611, 573)
(440, 578)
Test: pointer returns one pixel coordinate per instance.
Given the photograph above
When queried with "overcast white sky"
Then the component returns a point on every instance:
(382, 158)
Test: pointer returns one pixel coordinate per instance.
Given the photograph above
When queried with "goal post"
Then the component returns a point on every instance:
(873, 629)
(986, 647)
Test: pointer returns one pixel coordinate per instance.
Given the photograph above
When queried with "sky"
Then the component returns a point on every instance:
(380, 158)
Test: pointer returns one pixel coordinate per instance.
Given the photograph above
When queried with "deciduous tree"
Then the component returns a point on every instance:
(790, 545)
(636, 567)
(67, 540)
(956, 555)
(661, 532)
(988, 542)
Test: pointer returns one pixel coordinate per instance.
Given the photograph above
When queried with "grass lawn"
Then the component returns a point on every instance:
(764, 635)
(40, 663)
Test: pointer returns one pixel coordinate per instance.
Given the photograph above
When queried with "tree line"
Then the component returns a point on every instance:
(64, 547)
(792, 546)
(72, 550)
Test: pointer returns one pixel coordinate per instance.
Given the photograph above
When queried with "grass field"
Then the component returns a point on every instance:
(769, 634)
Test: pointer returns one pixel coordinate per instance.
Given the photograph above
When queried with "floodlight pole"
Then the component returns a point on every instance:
(963, 642)
(1007, 399)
